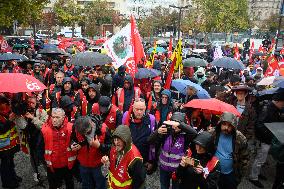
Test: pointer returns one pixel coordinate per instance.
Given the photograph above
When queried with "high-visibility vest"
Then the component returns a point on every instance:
(118, 176)
(8, 139)
(49, 148)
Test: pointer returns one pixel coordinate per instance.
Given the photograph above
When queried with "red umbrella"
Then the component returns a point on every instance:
(217, 106)
(18, 82)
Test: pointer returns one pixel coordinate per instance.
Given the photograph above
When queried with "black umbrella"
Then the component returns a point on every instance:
(89, 58)
(259, 54)
(277, 130)
(195, 62)
(147, 73)
(51, 51)
(227, 62)
(12, 56)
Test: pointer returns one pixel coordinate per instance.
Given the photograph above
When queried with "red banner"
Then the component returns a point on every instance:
(272, 66)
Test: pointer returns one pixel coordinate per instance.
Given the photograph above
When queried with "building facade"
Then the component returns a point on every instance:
(260, 10)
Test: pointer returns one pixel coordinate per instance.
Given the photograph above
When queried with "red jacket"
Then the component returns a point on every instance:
(118, 98)
(90, 156)
(110, 120)
(118, 176)
(57, 145)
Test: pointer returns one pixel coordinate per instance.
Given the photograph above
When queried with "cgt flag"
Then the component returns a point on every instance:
(125, 48)
(4, 46)
(273, 67)
(237, 54)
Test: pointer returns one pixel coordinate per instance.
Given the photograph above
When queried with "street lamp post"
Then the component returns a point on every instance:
(279, 23)
(179, 15)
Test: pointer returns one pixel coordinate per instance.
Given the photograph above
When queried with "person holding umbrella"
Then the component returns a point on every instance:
(188, 72)
(11, 66)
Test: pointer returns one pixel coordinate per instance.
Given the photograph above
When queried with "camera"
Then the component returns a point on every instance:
(169, 129)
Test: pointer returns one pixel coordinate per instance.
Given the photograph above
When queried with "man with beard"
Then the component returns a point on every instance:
(154, 96)
(125, 162)
(124, 96)
(92, 97)
(36, 72)
(231, 151)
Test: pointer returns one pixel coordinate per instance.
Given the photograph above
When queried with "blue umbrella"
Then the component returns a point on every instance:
(158, 50)
(181, 85)
(147, 73)
(227, 62)
(12, 56)
(279, 82)
(46, 46)
(267, 92)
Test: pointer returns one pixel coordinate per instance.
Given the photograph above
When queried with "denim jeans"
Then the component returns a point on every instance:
(260, 159)
(92, 178)
(165, 179)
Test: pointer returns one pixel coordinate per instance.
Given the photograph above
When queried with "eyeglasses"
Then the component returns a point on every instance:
(139, 100)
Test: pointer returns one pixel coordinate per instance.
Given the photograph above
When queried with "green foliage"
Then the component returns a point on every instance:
(219, 15)
(159, 20)
(272, 23)
(98, 13)
(68, 13)
(24, 11)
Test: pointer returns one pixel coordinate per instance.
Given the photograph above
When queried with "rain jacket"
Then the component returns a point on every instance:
(240, 150)
(200, 80)
(135, 169)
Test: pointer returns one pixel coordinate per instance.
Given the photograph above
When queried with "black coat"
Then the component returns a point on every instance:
(189, 179)
(269, 114)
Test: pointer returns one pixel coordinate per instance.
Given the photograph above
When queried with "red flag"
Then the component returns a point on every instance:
(272, 66)
(237, 54)
(260, 49)
(32, 43)
(4, 46)
(282, 50)
(170, 75)
(281, 67)
(251, 51)
(138, 49)
(170, 50)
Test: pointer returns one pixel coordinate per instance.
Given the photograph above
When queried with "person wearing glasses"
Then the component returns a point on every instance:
(141, 125)
(164, 108)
